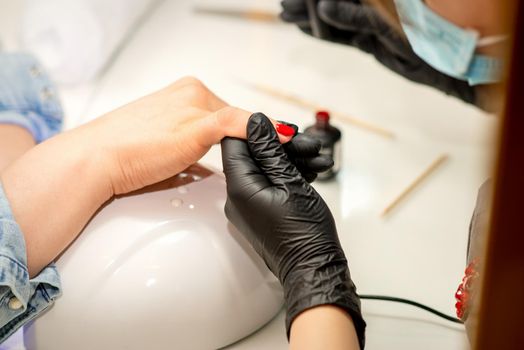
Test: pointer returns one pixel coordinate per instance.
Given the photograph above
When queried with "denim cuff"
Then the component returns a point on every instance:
(28, 97)
(21, 298)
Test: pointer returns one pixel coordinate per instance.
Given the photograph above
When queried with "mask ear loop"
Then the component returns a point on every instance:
(491, 40)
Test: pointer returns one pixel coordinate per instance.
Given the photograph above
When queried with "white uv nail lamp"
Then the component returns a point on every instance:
(159, 269)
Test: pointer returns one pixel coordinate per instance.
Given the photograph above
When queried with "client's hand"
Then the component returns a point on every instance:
(287, 223)
(57, 186)
(161, 134)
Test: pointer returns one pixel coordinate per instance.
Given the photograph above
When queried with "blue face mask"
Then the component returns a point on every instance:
(446, 46)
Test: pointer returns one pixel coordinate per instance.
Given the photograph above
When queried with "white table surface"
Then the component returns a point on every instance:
(419, 250)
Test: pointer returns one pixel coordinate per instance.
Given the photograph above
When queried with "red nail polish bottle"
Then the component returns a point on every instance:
(329, 136)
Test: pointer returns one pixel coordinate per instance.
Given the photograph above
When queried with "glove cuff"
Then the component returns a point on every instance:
(329, 284)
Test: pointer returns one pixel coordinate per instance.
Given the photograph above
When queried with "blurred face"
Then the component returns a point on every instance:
(486, 17)
(481, 15)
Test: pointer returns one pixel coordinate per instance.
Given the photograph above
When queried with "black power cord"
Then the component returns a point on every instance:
(412, 303)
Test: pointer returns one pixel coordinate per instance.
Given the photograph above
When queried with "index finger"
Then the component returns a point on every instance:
(228, 121)
(190, 91)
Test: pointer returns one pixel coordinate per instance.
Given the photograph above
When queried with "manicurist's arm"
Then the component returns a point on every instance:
(323, 327)
(292, 229)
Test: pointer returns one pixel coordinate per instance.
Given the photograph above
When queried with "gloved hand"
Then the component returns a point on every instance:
(287, 223)
(352, 23)
(304, 152)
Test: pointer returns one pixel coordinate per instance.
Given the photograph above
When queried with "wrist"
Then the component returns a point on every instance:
(328, 283)
(324, 327)
(90, 158)
(53, 191)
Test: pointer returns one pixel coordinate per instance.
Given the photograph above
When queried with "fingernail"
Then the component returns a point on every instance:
(285, 130)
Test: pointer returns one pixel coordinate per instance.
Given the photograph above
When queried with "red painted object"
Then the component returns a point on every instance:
(329, 137)
(323, 116)
(465, 289)
(285, 130)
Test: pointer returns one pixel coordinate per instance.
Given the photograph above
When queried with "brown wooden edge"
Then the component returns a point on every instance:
(501, 313)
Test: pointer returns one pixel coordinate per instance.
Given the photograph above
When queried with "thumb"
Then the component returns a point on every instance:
(225, 122)
(268, 152)
(243, 176)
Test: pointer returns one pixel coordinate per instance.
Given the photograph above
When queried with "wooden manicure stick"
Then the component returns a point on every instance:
(315, 107)
(429, 170)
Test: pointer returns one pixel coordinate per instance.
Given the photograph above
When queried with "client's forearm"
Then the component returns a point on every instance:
(14, 142)
(323, 327)
(53, 190)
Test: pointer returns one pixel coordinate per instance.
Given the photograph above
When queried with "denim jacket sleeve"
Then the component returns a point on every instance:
(21, 298)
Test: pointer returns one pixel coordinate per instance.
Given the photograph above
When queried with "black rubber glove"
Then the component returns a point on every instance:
(287, 223)
(304, 151)
(353, 23)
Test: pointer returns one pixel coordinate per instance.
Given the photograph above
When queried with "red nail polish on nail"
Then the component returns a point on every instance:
(285, 130)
